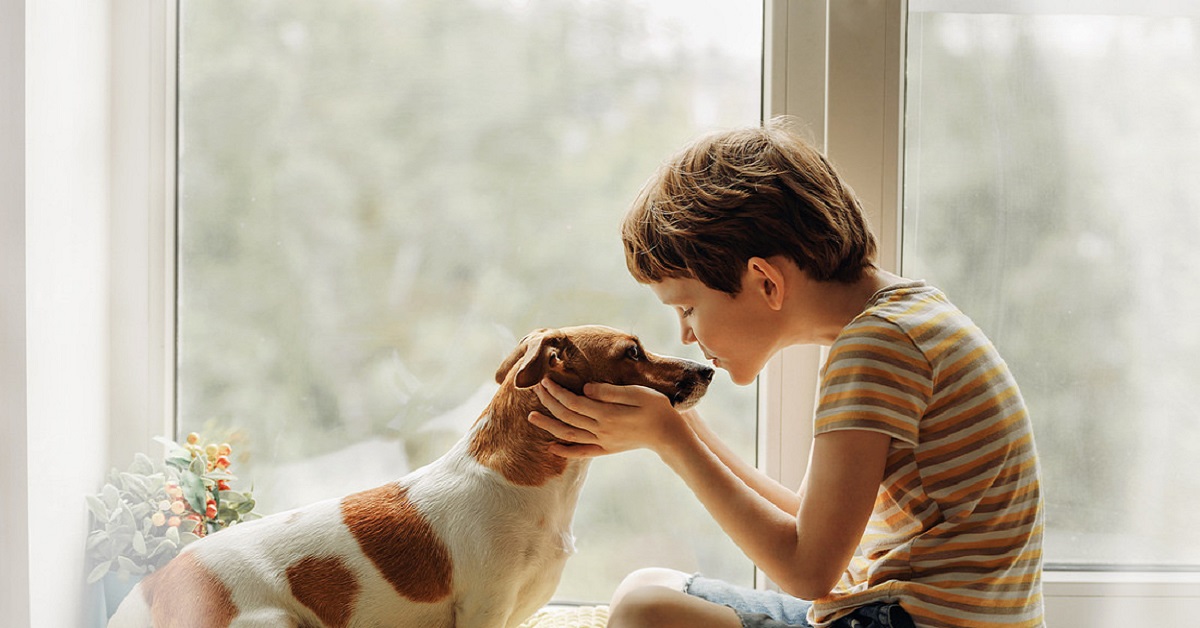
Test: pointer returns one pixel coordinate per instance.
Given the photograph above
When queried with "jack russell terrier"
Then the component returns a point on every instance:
(475, 539)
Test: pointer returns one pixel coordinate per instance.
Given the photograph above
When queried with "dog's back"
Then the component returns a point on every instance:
(477, 538)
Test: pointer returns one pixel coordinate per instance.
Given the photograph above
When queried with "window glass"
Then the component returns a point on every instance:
(379, 198)
(1051, 190)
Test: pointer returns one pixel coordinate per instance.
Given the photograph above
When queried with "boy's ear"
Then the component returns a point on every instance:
(768, 280)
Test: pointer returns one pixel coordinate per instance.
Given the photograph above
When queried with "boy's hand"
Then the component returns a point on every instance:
(607, 420)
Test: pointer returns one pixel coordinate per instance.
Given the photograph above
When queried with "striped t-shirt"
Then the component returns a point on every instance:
(956, 533)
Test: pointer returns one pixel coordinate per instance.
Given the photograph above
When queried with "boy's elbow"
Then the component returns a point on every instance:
(807, 586)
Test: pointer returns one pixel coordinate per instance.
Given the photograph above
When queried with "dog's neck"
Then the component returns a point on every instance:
(509, 444)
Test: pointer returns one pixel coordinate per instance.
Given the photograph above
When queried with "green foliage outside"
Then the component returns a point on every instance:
(379, 198)
(1051, 191)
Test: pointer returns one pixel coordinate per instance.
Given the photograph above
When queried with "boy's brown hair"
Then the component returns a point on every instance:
(752, 192)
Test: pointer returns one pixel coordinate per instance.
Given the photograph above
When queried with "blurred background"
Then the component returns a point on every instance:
(1052, 188)
(378, 198)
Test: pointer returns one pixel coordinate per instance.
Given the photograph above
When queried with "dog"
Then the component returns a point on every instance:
(476, 539)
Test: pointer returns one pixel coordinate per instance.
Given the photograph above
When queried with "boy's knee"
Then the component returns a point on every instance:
(645, 606)
(649, 577)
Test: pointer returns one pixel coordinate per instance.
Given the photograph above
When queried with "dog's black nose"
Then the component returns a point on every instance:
(705, 373)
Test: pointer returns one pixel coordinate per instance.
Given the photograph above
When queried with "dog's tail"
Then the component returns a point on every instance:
(133, 612)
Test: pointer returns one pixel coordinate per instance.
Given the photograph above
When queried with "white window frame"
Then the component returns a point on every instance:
(840, 66)
(837, 65)
(142, 351)
(14, 441)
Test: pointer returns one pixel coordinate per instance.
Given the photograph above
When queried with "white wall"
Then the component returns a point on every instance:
(14, 555)
(66, 224)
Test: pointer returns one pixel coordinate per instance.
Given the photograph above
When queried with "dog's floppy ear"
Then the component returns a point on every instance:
(536, 352)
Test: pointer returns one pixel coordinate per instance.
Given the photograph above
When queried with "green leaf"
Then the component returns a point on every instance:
(96, 538)
(220, 474)
(163, 546)
(173, 535)
(142, 510)
(98, 571)
(186, 537)
(193, 490)
(98, 508)
(125, 519)
(142, 465)
(112, 497)
(198, 467)
(245, 507)
(139, 544)
(137, 484)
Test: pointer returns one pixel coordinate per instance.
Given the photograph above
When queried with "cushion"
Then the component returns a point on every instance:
(569, 617)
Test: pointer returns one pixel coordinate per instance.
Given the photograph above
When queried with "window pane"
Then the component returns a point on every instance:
(1051, 189)
(379, 198)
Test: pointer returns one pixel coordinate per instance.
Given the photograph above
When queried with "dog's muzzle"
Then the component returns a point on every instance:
(692, 386)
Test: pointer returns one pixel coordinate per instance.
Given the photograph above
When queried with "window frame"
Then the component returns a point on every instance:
(838, 65)
(143, 194)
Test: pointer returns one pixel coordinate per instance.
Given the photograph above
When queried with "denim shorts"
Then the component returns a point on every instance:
(768, 609)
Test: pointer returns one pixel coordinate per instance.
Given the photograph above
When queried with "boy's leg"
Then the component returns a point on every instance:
(664, 598)
(655, 598)
(650, 577)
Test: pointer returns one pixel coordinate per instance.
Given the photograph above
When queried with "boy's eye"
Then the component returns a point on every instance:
(685, 311)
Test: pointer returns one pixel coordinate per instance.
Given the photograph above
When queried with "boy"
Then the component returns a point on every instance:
(921, 504)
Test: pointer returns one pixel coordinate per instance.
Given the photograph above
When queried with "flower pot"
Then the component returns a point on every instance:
(116, 587)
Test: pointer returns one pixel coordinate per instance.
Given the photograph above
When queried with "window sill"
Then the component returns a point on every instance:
(1109, 599)
(1148, 584)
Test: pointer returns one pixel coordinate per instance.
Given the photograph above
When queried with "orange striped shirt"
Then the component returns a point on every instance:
(956, 534)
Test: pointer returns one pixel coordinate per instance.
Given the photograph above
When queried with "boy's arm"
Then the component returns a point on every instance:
(778, 494)
(804, 554)
(804, 550)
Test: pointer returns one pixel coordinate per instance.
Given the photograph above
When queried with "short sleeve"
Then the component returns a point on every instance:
(874, 379)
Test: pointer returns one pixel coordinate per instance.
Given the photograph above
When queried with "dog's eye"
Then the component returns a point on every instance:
(634, 353)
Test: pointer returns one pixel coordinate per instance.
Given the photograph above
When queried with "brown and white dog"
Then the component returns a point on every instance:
(475, 539)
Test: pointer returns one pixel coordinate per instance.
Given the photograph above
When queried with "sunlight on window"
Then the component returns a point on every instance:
(1051, 190)
(378, 199)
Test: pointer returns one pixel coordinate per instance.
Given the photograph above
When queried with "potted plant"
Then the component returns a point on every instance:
(145, 515)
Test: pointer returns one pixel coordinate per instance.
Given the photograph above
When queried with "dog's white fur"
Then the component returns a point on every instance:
(507, 542)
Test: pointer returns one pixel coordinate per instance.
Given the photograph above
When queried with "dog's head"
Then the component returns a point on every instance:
(573, 356)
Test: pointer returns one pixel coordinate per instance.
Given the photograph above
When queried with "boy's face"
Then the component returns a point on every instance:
(737, 333)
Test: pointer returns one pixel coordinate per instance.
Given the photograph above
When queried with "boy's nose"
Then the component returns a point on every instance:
(688, 336)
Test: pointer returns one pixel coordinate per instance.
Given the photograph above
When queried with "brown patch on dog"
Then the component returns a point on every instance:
(326, 586)
(186, 594)
(400, 541)
(512, 446)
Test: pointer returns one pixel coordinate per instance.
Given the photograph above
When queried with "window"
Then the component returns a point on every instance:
(1050, 189)
(823, 63)
(377, 199)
